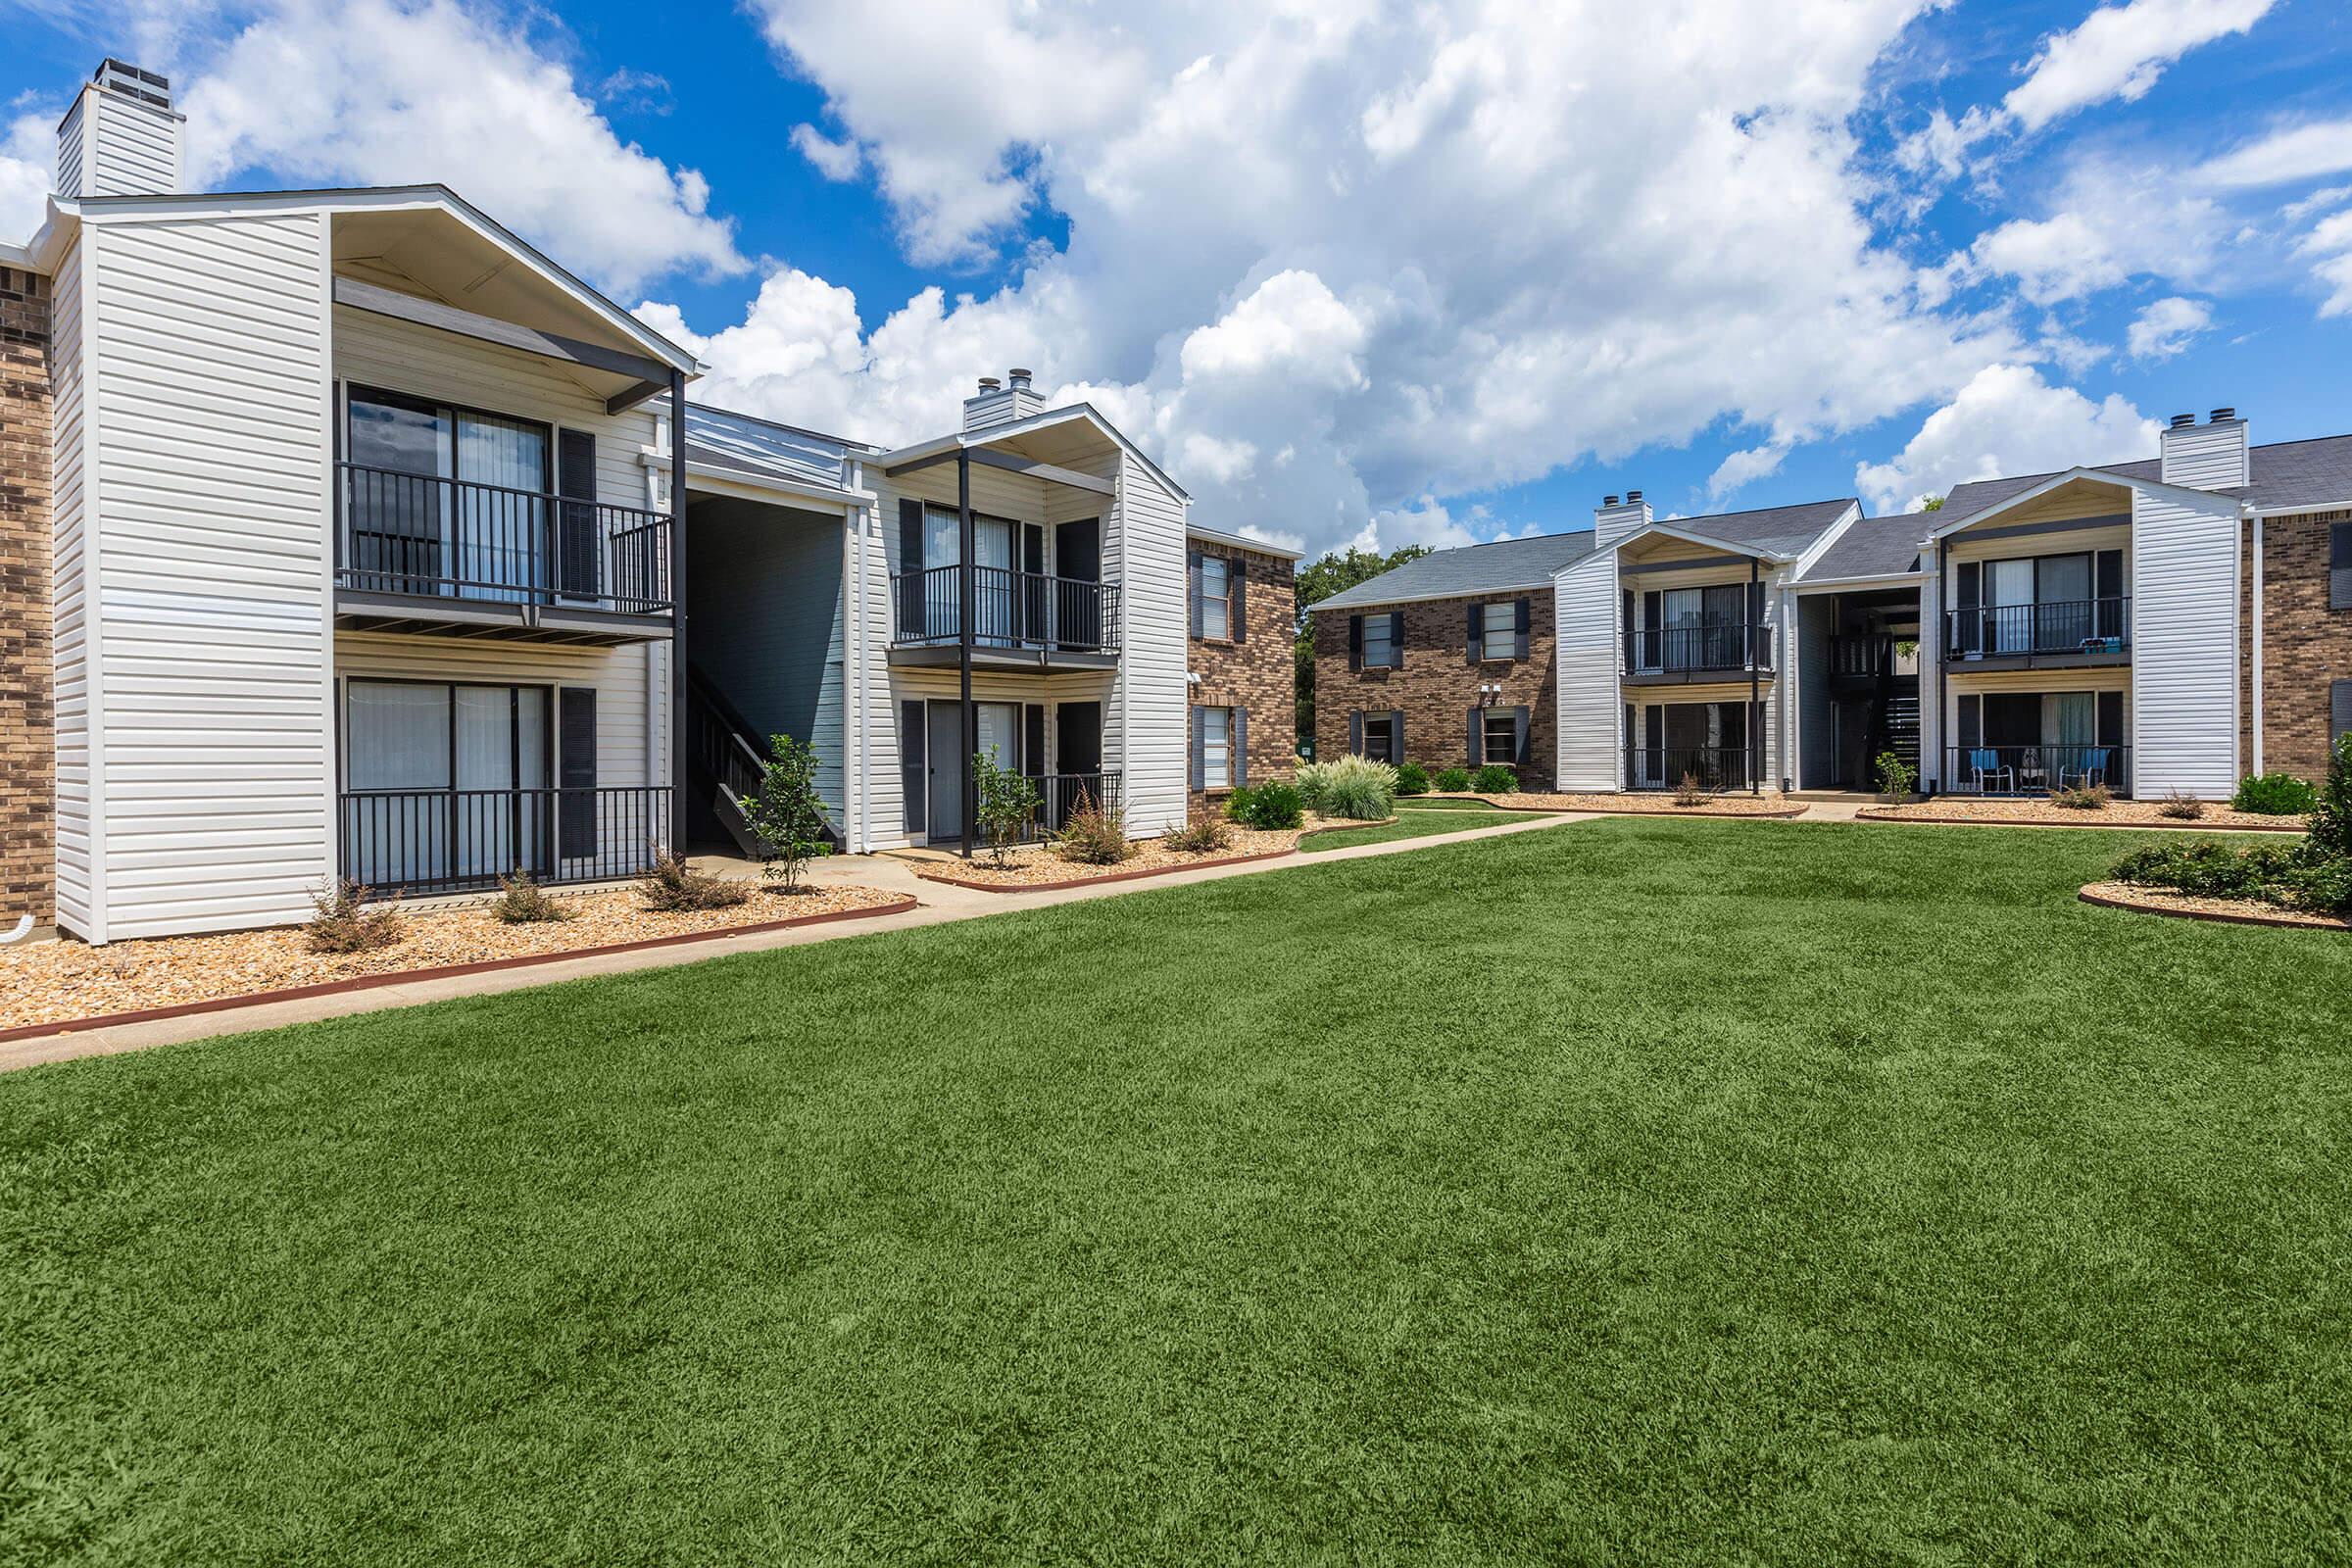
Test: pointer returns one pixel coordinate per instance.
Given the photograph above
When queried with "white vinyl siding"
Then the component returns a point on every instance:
(1586, 608)
(1149, 551)
(2205, 457)
(127, 148)
(619, 675)
(73, 144)
(2185, 591)
(208, 519)
(77, 864)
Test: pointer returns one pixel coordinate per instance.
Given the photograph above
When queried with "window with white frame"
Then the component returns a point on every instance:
(1216, 596)
(1379, 650)
(1499, 632)
(1499, 729)
(1216, 748)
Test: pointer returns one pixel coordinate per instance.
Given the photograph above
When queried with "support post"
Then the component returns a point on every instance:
(677, 613)
(1755, 683)
(968, 725)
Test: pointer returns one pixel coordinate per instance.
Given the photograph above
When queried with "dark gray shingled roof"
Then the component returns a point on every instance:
(1488, 568)
(2286, 474)
(1785, 531)
(1874, 547)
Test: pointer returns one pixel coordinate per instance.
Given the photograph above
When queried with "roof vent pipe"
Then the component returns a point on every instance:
(1632, 496)
(2182, 422)
(1608, 500)
(1018, 380)
(2224, 416)
(989, 383)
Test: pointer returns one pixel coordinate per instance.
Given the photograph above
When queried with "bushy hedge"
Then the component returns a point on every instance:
(1268, 806)
(1497, 779)
(1413, 780)
(2313, 875)
(2274, 795)
(1452, 780)
(1352, 787)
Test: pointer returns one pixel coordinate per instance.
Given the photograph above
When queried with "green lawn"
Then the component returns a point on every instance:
(1416, 819)
(1636, 1191)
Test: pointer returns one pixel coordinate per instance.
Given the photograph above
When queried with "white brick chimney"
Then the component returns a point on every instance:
(1002, 403)
(2205, 457)
(1616, 518)
(121, 137)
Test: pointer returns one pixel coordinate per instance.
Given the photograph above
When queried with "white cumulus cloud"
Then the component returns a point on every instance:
(2120, 51)
(2165, 328)
(2007, 419)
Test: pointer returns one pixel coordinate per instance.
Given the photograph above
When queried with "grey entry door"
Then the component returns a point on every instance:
(946, 750)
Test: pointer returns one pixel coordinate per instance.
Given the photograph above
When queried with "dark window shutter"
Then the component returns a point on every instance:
(1200, 747)
(914, 777)
(1033, 739)
(1653, 726)
(1355, 733)
(2339, 710)
(1241, 747)
(1474, 630)
(911, 576)
(1356, 642)
(2108, 726)
(1519, 736)
(575, 745)
(1524, 619)
(1395, 639)
(1968, 633)
(1476, 752)
(1397, 735)
(2340, 566)
(1237, 583)
(580, 551)
(1192, 592)
(1972, 723)
(2108, 588)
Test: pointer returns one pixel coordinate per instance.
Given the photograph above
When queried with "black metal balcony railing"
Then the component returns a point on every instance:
(1025, 610)
(451, 841)
(415, 533)
(1727, 646)
(2058, 626)
(1663, 767)
(1867, 655)
(2035, 769)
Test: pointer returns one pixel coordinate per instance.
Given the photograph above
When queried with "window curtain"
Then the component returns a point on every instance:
(501, 537)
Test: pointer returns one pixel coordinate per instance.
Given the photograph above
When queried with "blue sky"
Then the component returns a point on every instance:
(1372, 273)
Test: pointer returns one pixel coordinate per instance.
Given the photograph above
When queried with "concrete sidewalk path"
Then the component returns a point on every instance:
(940, 903)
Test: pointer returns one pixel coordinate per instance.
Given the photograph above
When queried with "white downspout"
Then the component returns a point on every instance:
(2256, 695)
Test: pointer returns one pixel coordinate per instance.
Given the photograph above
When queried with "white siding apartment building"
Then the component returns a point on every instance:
(380, 545)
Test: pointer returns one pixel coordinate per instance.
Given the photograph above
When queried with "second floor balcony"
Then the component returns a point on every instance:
(1706, 652)
(2046, 634)
(1027, 619)
(419, 552)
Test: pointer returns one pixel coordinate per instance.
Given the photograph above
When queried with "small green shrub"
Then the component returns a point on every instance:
(787, 812)
(1351, 787)
(1452, 780)
(1495, 779)
(341, 923)
(1692, 791)
(672, 885)
(1896, 778)
(2322, 885)
(1006, 802)
(2330, 835)
(522, 901)
(2211, 869)
(2182, 807)
(2083, 798)
(1272, 806)
(1413, 780)
(2274, 795)
(1239, 804)
(1095, 837)
(1203, 835)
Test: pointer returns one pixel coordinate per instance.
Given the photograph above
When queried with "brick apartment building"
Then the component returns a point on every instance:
(1243, 601)
(27, 752)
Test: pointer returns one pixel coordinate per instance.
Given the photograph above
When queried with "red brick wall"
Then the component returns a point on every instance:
(1437, 685)
(28, 754)
(2305, 645)
(1259, 672)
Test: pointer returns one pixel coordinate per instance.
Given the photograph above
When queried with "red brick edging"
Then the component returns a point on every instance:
(1626, 810)
(399, 977)
(1098, 881)
(1865, 815)
(2106, 901)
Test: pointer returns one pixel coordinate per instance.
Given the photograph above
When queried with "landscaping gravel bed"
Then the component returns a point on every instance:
(2117, 814)
(1660, 802)
(1038, 864)
(58, 982)
(2166, 901)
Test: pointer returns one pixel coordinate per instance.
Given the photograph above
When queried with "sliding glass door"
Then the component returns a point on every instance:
(444, 500)
(445, 783)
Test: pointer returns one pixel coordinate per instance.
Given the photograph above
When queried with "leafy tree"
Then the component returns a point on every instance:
(1319, 581)
(1003, 800)
(787, 812)
(1931, 504)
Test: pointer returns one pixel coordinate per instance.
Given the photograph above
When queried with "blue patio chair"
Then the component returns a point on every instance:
(2092, 771)
(1986, 764)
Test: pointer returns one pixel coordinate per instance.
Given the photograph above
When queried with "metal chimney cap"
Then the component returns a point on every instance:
(1608, 500)
(989, 383)
(1020, 377)
(2224, 416)
(1632, 496)
(2182, 422)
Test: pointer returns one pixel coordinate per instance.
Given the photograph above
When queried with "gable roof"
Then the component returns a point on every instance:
(989, 435)
(1503, 565)
(2288, 475)
(1241, 541)
(1781, 530)
(1874, 547)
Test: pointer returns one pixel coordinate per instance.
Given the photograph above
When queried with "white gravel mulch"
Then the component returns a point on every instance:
(58, 982)
(1660, 802)
(2027, 808)
(1038, 863)
(2169, 900)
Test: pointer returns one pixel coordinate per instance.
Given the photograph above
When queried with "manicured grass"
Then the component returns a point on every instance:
(1636, 1191)
(1414, 819)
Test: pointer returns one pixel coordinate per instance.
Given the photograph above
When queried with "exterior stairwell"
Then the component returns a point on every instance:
(724, 759)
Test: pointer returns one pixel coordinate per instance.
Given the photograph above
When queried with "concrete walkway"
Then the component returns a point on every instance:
(940, 903)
